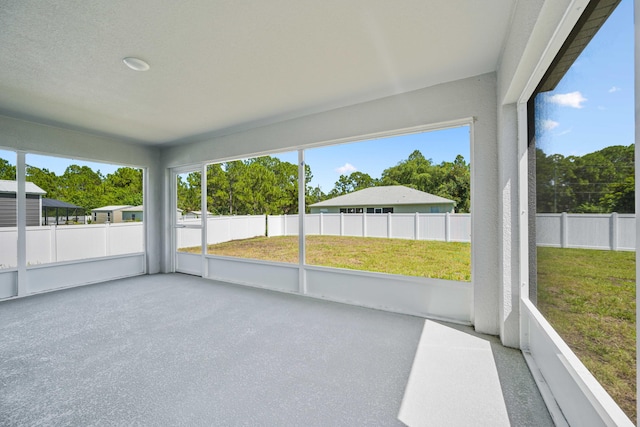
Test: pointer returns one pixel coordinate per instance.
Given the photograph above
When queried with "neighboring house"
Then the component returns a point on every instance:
(8, 206)
(133, 213)
(108, 214)
(388, 199)
(195, 214)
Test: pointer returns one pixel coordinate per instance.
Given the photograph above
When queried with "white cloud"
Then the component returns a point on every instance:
(346, 168)
(549, 124)
(564, 132)
(571, 99)
(614, 89)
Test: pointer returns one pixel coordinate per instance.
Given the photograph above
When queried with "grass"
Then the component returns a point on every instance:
(588, 296)
(441, 260)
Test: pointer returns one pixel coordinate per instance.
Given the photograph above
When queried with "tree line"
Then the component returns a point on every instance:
(267, 185)
(82, 186)
(598, 182)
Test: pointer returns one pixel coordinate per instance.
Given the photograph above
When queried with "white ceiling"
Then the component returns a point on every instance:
(224, 65)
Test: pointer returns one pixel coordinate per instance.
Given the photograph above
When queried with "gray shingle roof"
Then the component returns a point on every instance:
(387, 196)
(138, 208)
(7, 186)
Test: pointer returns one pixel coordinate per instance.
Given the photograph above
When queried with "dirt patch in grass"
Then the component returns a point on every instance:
(588, 296)
(440, 260)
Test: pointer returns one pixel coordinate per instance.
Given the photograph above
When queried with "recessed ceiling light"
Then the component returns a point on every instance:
(136, 64)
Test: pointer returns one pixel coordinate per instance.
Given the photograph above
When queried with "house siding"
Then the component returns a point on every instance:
(132, 216)
(8, 210)
(441, 207)
(101, 217)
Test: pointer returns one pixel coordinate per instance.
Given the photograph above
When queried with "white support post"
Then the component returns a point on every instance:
(389, 228)
(21, 209)
(204, 220)
(564, 230)
(416, 227)
(614, 231)
(341, 224)
(302, 281)
(636, 153)
(523, 221)
(321, 224)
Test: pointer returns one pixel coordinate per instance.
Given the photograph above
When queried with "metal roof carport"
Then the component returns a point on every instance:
(57, 205)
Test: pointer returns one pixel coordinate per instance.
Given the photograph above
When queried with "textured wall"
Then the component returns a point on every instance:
(470, 101)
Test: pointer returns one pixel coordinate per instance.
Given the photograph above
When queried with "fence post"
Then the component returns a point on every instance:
(53, 231)
(284, 225)
(564, 230)
(364, 223)
(447, 227)
(341, 224)
(416, 226)
(321, 224)
(266, 225)
(389, 230)
(614, 231)
(106, 238)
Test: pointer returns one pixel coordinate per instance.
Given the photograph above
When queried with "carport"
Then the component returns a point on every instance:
(60, 208)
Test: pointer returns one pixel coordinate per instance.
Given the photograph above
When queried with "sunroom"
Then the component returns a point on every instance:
(169, 98)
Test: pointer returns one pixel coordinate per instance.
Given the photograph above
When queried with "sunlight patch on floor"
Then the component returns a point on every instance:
(454, 381)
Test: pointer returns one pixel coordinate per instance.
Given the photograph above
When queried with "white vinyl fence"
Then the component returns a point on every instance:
(445, 227)
(589, 231)
(616, 232)
(221, 229)
(49, 244)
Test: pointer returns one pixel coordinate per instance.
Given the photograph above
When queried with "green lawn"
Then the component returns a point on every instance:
(589, 298)
(441, 260)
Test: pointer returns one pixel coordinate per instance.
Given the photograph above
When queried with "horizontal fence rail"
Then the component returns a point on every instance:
(445, 226)
(221, 229)
(49, 244)
(616, 232)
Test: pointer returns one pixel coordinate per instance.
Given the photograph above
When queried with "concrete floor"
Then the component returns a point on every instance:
(180, 350)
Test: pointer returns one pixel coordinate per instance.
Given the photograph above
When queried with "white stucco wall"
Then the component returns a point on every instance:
(524, 60)
(446, 103)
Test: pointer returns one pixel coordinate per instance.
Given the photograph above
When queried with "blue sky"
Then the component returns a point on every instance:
(374, 156)
(593, 105)
(327, 163)
(591, 108)
(58, 164)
